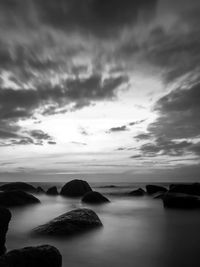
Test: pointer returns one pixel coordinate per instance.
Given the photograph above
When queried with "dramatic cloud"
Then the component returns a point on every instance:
(178, 119)
(143, 136)
(118, 129)
(97, 17)
(178, 114)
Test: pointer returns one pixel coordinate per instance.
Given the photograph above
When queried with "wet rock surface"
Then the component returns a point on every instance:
(138, 192)
(179, 200)
(42, 256)
(52, 191)
(94, 197)
(152, 189)
(16, 198)
(70, 223)
(18, 186)
(75, 188)
(5, 217)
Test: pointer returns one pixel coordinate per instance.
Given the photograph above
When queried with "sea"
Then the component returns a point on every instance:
(136, 232)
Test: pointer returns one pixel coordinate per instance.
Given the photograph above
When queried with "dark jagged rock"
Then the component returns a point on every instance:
(93, 197)
(70, 223)
(52, 191)
(40, 190)
(16, 198)
(190, 189)
(42, 256)
(178, 200)
(75, 188)
(18, 186)
(5, 217)
(137, 192)
(152, 189)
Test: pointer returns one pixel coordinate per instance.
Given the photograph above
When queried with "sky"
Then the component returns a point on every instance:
(106, 89)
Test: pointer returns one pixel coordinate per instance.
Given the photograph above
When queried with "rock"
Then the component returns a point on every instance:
(93, 197)
(40, 190)
(159, 195)
(5, 217)
(42, 256)
(190, 189)
(52, 191)
(178, 200)
(18, 186)
(137, 192)
(152, 189)
(75, 188)
(70, 223)
(16, 198)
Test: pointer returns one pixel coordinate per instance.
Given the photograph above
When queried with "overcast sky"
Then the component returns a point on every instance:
(100, 87)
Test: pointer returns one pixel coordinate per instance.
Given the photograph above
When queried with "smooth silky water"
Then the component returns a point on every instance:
(137, 232)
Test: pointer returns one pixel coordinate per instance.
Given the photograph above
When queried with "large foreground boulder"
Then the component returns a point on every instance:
(70, 223)
(5, 217)
(153, 189)
(52, 191)
(190, 189)
(75, 188)
(18, 186)
(42, 256)
(178, 200)
(94, 197)
(16, 198)
(137, 193)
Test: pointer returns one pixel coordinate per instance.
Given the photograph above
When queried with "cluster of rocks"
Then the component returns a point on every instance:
(185, 196)
(70, 223)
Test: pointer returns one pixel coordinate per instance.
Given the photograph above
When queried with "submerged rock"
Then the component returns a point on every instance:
(52, 191)
(42, 256)
(190, 189)
(75, 188)
(70, 223)
(178, 200)
(152, 189)
(137, 192)
(5, 217)
(94, 197)
(16, 198)
(18, 186)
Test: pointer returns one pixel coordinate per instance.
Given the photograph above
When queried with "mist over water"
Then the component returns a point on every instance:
(137, 232)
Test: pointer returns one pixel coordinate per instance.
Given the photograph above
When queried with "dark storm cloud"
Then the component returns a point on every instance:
(97, 17)
(39, 135)
(16, 104)
(22, 103)
(35, 137)
(136, 122)
(166, 147)
(51, 142)
(178, 118)
(143, 136)
(136, 156)
(118, 129)
(178, 114)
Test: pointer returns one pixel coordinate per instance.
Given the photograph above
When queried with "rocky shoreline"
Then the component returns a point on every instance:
(74, 222)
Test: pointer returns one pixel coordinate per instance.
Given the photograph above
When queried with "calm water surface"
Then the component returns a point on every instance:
(137, 232)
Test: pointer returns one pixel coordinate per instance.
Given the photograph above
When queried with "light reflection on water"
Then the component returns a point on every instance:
(137, 232)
